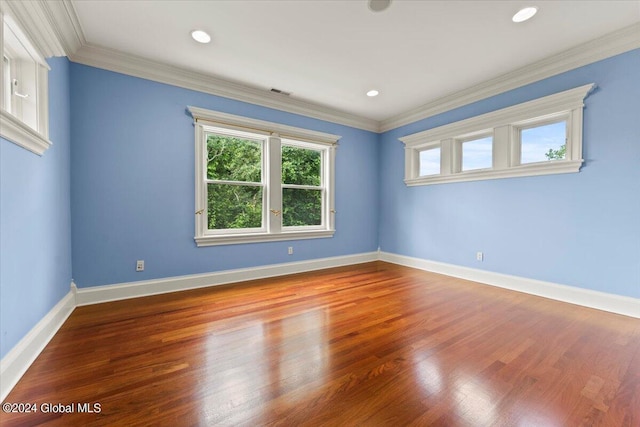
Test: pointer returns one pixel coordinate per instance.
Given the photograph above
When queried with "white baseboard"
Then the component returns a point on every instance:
(99, 294)
(602, 301)
(15, 363)
(18, 360)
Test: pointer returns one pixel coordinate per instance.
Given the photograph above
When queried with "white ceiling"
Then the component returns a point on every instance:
(331, 52)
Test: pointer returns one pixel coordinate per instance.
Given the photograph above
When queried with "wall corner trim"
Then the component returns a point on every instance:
(618, 304)
(16, 362)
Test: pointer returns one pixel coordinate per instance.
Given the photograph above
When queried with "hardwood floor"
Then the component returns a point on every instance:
(369, 345)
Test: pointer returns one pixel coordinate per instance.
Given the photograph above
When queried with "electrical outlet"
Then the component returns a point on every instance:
(479, 256)
(140, 265)
(290, 250)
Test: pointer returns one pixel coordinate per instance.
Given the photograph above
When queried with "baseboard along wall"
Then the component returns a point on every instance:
(585, 297)
(15, 363)
(18, 360)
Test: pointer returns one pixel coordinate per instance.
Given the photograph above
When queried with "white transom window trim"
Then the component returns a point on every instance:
(264, 189)
(505, 128)
(24, 109)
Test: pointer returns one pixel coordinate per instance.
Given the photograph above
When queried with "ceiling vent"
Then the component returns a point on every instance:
(281, 92)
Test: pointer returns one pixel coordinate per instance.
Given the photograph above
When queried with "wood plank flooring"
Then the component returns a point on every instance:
(368, 345)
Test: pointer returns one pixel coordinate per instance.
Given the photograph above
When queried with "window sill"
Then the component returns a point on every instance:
(261, 237)
(16, 131)
(531, 169)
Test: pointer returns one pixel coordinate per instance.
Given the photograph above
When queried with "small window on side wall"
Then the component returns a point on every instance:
(477, 153)
(24, 90)
(430, 161)
(538, 137)
(544, 142)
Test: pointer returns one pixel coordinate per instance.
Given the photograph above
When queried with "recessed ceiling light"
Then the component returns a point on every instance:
(379, 5)
(372, 93)
(524, 14)
(200, 36)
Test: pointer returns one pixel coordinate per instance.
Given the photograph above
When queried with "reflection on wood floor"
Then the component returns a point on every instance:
(370, 345)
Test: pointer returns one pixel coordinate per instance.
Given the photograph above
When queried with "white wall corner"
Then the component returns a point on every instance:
(585, 297)
(15, 363)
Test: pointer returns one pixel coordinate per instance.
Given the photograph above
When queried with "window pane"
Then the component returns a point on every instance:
(233, 159)
(300, 166)
(543, 143)
(6, 65)
(234, 206)
(430, 162)
(301, 207)
(477, 154)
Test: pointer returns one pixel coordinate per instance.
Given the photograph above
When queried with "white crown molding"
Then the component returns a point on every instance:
(37, 22)
(16, 362)
(59, 19)
(585, 297)
(120, 62)
(617, 42)
(65, 23)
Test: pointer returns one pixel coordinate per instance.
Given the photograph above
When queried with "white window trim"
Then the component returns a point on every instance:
(207, 119)
(13, 129)
(505, 125)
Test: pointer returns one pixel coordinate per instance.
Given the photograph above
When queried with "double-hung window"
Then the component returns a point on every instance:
(261, 181)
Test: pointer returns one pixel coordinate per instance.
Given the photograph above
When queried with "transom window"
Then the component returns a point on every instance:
(541, 143)
(430, 161)
(259, 181)
(476, 153)
(539, 137)
(24, 90)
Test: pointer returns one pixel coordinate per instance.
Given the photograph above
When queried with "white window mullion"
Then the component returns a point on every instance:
(573, 138)
(5, 71)
(451, 155)
(42, 95)
(412, 162)
(201, 208)
(273, 186)
(329, 193)
(501, 147)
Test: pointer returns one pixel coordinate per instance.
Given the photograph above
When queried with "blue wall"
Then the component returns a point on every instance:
(35, 241)
(132, 192)
(577, 229)
(123, 160)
